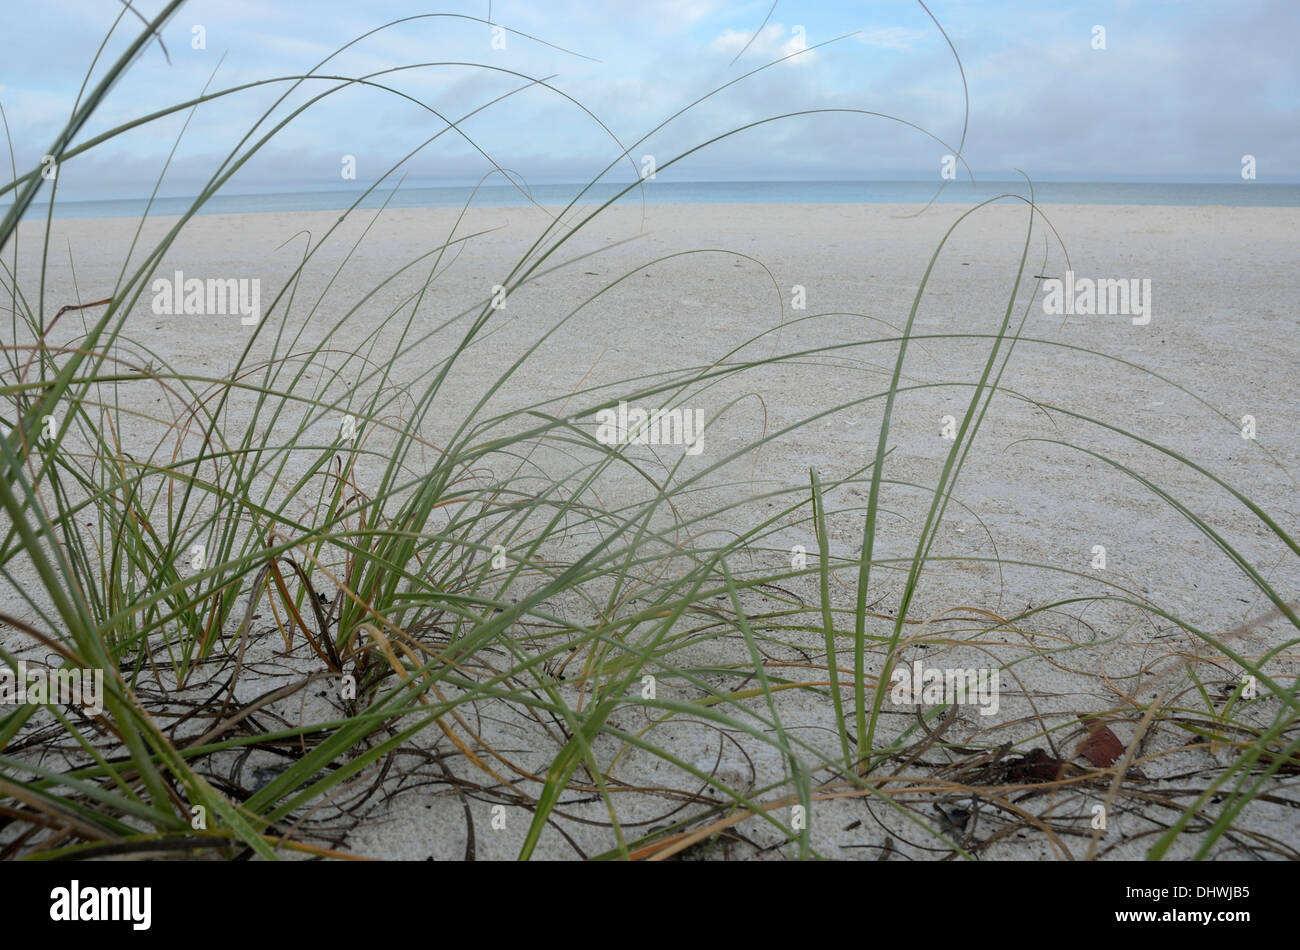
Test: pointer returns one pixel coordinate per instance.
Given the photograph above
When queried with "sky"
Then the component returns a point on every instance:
(1113, 90)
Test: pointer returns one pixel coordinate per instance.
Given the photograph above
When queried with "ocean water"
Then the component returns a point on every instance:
(1242, 194)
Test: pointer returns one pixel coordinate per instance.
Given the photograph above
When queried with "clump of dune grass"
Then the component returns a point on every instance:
(373, 603)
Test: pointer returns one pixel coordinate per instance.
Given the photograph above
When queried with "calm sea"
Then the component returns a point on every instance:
(1244, 193)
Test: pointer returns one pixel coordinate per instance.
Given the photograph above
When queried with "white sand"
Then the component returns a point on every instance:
(1224, 284)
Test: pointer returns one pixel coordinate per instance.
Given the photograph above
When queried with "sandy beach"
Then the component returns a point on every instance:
(670, 289)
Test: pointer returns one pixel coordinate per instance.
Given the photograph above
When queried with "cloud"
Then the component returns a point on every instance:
(772, 42)
(892, 37)
(1161, 101)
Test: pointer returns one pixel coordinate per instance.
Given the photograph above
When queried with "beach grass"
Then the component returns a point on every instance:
(308, 569)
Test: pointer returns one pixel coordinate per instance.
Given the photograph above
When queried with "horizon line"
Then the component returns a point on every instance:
(275, 188)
